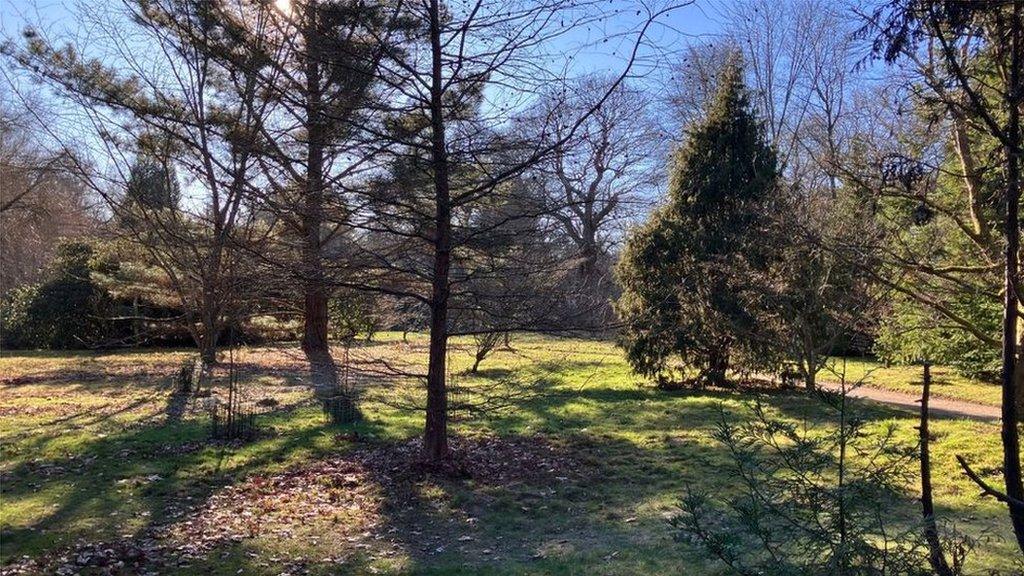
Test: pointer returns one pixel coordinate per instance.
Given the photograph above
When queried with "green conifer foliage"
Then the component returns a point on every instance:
(687, 273)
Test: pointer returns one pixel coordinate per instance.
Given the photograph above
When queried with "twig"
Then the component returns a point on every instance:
(987, 488)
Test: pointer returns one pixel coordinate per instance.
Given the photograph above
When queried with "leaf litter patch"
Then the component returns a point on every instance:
(347, 504)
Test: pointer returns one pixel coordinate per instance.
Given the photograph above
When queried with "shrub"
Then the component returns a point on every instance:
(912, 332)
(353, 313)
(67, 310)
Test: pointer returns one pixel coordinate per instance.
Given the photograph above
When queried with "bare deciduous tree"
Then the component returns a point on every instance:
(40, 199)
(447, 119)
(605, 173)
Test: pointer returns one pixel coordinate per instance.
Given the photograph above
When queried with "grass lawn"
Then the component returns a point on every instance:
(908, 379)
(574, 474)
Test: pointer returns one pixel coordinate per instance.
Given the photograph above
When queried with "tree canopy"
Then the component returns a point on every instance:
(688, 274)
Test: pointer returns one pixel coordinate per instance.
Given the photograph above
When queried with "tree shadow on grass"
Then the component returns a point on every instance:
(628, 454)
(144, 477)
(494, 373)
(656, 412)
(531, 502)
(628, 484)
(155, 402)
(155, 474)
(82, 418)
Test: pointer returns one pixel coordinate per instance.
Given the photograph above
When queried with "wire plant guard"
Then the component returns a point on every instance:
(455, 393)
(341, 406)
(190, 376)
(236, 418)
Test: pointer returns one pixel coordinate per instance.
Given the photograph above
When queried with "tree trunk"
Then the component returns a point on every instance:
(810, 379)
(1010, 437)
(931, 531)
(136, 322)
(589, 255)
(435, 434)
(718, 367)
(208, 344)
(314, 333)
(1020, 375)
(208, 353)
(811, 371)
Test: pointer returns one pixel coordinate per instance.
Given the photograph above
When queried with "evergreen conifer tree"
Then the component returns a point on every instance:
(688, 274)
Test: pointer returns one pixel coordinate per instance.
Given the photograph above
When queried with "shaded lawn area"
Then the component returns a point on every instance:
(908, 379)
(576, 476)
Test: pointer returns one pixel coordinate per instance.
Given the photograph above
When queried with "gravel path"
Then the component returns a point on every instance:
(939, 407)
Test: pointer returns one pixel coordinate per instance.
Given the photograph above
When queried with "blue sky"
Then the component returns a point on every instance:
(695, 22)
(697, 18)
(15, 14)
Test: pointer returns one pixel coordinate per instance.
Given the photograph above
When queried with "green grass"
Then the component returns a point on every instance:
(946, 383)
(94, 446)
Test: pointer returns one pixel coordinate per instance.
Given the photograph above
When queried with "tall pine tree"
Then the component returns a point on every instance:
(690, 274)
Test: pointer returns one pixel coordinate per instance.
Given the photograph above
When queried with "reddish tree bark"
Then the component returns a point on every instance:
(314, 332)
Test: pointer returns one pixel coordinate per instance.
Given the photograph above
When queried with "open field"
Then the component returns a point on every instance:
(574, 474)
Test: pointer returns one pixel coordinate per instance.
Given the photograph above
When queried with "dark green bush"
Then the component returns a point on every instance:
(67, 310)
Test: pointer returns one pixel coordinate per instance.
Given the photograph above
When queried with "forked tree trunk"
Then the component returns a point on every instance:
(435, 434)
(485, 343)
(208, 350)
(209, 327)
(810, 379)
(811, 356)
(589, 256)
